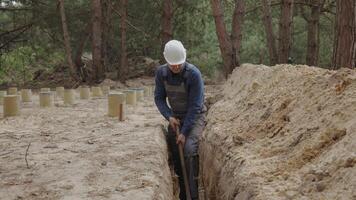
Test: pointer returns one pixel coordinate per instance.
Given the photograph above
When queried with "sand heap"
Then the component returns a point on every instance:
(286, 132)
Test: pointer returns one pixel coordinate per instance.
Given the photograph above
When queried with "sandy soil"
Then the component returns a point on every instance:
(286, 132)
(77, 152)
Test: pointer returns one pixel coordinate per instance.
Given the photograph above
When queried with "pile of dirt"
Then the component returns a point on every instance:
(142, 66)
(283, 132)
(131, 83)
(112, 84)
(59, 76)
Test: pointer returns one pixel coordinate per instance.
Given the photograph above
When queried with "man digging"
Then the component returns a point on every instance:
(182, 84)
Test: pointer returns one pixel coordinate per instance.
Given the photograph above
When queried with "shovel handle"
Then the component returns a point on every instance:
(184, 170)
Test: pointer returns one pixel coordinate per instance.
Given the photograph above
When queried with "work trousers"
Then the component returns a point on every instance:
(190, 155)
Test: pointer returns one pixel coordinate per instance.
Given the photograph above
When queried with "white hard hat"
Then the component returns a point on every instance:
(174, 52)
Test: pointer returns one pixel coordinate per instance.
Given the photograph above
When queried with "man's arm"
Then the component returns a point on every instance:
(160, 96)
(195, 101)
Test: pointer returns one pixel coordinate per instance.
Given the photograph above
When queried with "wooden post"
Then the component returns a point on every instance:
(2, 94)
(60, 92)
(84, 92)
(121, 112)
(96, 92)
(106, 89)
(69, 97)
(116, 104)
(12, 91)
(131, 97)
(26, 95)
(45, 89)
(11, 105)
(46, 99)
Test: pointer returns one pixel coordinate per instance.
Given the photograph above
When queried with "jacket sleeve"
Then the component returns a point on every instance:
(195, 101)
(160, 96)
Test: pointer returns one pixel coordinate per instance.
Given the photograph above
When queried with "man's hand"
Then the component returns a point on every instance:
(181, 139)
(174, 122)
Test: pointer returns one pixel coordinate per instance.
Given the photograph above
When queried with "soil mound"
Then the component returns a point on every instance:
(283, 132)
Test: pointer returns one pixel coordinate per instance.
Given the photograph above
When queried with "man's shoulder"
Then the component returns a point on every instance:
(161, 70)
(161, 67)
(193, 70)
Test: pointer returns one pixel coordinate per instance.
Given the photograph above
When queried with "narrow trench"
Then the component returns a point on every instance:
(203, 195)
(202, 190)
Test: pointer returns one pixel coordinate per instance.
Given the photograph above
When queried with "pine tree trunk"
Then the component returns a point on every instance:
(106, 26)
(345, 29)
(167, 24)
(122, 72)
(78, 56)
(66, 38)
(96, 40)
(236, 34)
(285, 31)
(224, 41)
(271, 39)
(110, 36)
(313, 33)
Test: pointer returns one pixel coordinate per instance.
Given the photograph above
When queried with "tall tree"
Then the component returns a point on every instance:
(123, 70)
(285, 31)
(271, 39)
(228, 45)
(166, 26)
(345, 34)
(236, 33)
(106, 32)
(96, 40)
(78, 56)
(313, 21)
(66, 38)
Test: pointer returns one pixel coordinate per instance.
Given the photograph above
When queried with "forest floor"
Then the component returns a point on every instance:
(78, 152)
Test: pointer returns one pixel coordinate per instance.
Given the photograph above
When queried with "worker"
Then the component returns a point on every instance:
(181, 83)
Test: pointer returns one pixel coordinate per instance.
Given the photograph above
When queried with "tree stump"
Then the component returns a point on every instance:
(106, 89)
(2, 94)
(96, 92)
(26, 95)
(60, 92)
(11, 105)
(131, 98)
(139, 94)
(146, 91)
(84, 92)
(116, 105)
(46, 99)
(45, 89)
(12, 91)
(152, 90)
(69, 97)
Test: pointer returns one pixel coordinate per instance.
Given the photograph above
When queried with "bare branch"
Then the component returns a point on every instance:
(26, 155)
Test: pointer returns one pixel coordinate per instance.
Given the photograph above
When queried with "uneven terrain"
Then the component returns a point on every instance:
(283, 132)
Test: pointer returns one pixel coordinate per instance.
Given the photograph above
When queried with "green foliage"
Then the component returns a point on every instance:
(19, 65)
(16, 64)
(299, 47)
(42, 46)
